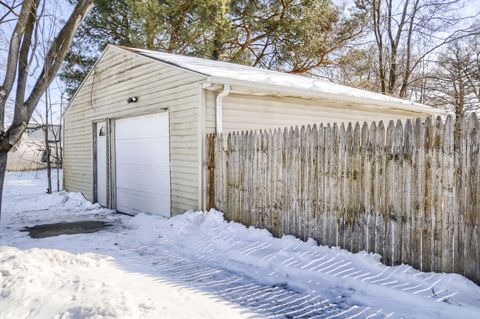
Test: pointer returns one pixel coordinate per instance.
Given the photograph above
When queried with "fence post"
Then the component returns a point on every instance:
(406, 208)
(449, 215)
(211, 141)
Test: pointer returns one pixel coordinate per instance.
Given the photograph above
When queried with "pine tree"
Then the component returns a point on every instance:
(295, 36)
(110, 21)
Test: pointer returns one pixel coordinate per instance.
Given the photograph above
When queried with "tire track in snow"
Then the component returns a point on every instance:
(254, 273)
(267, 301)
(329, 263)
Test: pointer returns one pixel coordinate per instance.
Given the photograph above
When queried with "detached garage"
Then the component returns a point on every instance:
(135, 129)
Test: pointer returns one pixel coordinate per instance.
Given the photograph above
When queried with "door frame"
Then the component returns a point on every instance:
(111, 171)
(95, 158)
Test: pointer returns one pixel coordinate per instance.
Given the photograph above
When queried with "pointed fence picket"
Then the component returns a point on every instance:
(409, 191)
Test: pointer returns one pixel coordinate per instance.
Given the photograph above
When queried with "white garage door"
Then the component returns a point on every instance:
(142, 164)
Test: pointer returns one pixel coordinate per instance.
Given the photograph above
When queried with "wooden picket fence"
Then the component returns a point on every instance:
(409, 191)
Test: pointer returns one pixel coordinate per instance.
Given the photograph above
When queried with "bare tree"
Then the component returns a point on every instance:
(51, 124)
(472, 72)
(454, 82)
(47, 143)
(57, 134)
(407, 31)
(21, 50)
(8, 12)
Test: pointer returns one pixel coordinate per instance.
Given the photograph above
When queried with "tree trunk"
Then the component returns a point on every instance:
(20, 48)
(58, 166)
(3, 167)
(47, 158)
(58, 144)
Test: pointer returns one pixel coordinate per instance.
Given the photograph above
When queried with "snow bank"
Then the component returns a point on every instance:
(310, 268)
(27, 203)
(46, 283)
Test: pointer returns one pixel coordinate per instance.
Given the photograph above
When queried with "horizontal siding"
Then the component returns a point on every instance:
(167, 97)
(248, 112)
(210, 111)
(126, 88)
(119, 75)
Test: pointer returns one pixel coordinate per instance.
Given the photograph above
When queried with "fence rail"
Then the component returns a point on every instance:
(409, 191)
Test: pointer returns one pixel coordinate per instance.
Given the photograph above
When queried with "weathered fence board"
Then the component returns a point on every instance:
(409, 191)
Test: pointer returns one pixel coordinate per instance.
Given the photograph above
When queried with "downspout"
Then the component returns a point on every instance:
(219, 108)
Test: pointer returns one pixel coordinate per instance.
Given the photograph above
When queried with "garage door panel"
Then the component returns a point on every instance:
(149, 151)
(144, 179)
(141, 126)
(142, 164)
(148, 200)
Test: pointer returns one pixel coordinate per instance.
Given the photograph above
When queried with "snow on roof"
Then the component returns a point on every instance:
(231, 73)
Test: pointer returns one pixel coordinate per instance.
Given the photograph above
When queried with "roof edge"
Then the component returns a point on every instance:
(139, 52)
(397, 103)
(404, 105)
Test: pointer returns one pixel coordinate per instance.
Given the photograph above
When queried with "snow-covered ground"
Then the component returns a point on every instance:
(197, 265)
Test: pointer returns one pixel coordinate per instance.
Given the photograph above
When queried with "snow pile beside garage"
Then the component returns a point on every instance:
(25, 189)
(47, 283)
(309, 268)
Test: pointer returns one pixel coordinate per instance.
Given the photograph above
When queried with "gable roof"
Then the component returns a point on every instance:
(219, 72)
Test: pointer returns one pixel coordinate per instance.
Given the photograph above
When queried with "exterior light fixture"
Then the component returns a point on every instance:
(132, 99)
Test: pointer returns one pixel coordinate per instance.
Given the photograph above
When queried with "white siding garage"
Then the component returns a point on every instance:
(156, 163)
(142, 164)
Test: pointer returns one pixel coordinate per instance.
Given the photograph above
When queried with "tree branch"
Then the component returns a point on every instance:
(53, 60)
(57, 52)
(12, 59)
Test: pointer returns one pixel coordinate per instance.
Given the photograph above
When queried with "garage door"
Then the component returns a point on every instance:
(142, 164)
